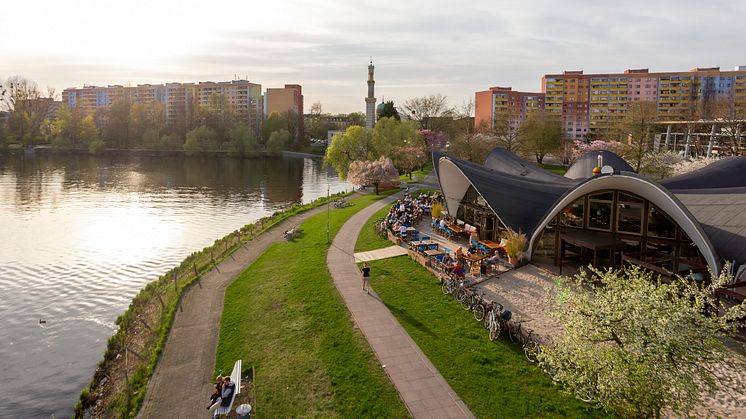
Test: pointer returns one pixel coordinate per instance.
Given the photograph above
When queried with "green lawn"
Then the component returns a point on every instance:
(284, 316)
(421, 172)
(493, 378)
(368, 239)
(556, 168)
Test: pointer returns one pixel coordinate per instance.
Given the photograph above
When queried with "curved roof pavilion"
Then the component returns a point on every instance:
(693, 220)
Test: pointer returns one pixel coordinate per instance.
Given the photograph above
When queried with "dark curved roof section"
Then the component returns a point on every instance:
(729, 172)
(519, 202)
(670, 203)
(505, 161)
(722, 214)
(583, 167)
(436, 159)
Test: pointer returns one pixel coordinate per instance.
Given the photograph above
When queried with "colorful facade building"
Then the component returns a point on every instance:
(179, 99)
(591, 104)
(490, 106)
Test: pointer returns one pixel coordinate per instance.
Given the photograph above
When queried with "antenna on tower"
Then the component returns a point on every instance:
(371, 60)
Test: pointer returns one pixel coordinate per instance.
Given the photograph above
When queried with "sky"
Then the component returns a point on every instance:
(419, 48)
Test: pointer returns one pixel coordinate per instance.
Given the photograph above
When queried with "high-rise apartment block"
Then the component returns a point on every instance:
(179, 99)
(283, 99)
(589, 105)
(504, 103)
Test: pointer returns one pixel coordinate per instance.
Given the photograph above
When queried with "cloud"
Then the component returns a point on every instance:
(419, 47)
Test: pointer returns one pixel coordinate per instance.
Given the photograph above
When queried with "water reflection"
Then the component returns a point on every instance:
(81, 235)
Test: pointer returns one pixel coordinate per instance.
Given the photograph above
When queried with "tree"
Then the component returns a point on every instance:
(150, 138)
(540, 134)
(200, 139)
(428, 111)
(277, 142)
(389, 111)
(639, 346)
(364, 172)
(29, 108)
(357, 118)
(354, 144)
(505, 131)
(317, 126)
(144, 117)
(473, 147)
(272, 123)
(219, 115)
(242, 140)
(636, 129)
(733, 127)
(117, 131)
(434, 140)
(293, 124)
(410, 158)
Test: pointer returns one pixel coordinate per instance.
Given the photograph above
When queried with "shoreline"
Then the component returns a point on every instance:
(132, 353)
(48, 150)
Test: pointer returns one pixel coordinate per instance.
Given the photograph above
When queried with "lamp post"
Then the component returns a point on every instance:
(328, 238)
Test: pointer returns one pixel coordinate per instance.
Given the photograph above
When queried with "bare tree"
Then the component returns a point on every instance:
(505, 131)
(540, 135)
(428, 111)
(29, 105)
(732, 120)
(636, 130)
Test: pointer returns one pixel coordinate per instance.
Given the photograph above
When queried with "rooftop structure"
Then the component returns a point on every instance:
(683, 224)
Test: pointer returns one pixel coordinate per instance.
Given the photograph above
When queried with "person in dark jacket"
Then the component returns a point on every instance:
(218, 391)
(229, 388)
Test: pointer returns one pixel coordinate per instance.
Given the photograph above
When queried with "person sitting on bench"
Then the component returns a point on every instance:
(229, 388)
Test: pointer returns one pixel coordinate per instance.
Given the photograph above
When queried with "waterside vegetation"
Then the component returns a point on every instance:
(120, 380)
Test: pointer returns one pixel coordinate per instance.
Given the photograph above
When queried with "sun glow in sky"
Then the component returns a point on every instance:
(419, 47)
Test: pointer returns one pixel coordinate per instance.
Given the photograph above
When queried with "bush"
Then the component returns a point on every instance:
(277, 142)
(96, 147)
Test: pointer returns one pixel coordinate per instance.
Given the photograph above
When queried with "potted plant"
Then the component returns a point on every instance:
(515, 245)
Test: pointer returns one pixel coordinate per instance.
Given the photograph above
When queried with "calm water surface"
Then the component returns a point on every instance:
(80, 236)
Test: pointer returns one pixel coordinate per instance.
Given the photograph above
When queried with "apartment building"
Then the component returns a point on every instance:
(283, 99)
(591, 104)
(504, 102)
(179, 99)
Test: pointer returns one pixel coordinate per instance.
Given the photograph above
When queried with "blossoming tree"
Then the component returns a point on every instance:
(377, 172)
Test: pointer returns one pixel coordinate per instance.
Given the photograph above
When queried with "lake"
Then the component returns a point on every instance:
(81, 235)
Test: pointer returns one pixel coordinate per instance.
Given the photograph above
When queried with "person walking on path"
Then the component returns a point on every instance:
(366, 277)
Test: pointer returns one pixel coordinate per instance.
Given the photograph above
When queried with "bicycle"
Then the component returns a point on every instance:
(481, 308)
(494, 321)
(532, 347)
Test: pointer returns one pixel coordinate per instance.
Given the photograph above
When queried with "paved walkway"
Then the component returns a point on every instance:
(424, 391)
(181, 383)
(386, 252)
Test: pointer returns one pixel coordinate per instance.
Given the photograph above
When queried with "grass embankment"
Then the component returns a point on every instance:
(421, 172)
(120, 380)
(493, 378)
(555, 168)
(284, 316)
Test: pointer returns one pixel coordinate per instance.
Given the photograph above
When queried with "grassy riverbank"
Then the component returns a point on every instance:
(119, 383)
(493, 378)
(284, 316)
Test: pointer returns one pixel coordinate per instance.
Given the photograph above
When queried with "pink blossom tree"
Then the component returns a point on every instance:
(365, 172)
(579, 147)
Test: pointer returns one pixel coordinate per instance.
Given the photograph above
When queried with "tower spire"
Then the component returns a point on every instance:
(370, 101)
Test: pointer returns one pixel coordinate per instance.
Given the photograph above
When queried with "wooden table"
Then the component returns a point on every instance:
(455, 228)
(491, 244)
(433, 252)
(474, 259)
(590, 240)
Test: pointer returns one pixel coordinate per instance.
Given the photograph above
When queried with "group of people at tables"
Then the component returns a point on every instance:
(407, 211)
(460, 261)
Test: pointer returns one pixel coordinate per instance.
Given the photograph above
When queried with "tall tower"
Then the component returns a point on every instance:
(370, 101)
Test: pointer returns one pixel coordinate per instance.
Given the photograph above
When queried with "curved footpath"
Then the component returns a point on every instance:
(181, 383)
(424, 391)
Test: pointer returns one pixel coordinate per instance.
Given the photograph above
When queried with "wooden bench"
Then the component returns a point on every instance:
(235, 379)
